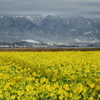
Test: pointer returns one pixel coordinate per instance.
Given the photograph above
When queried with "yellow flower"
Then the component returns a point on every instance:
(19, 98)
(51, 94)
(13, 97)
(61, 97)
(79, 88)
(1, 75)
(66, 87)
(0, 91)
(98, 95)
(1, 96)
(7, 94)
(30, 79)
(91, 98)
(43, 80)
(91, 85)
(48, 88)
(56, 85)
(28, 88)
(20, 93)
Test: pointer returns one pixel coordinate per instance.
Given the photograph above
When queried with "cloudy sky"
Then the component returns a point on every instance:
(85, 8)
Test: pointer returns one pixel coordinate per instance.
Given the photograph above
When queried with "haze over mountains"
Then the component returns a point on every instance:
(53, 29)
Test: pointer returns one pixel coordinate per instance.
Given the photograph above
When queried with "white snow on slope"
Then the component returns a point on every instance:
(73, 29)
(29, 17)
(77, 40)
(17, 16)
(31, 41)
(88, 32)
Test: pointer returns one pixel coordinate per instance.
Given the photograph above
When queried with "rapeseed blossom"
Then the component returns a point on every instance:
(63, 75)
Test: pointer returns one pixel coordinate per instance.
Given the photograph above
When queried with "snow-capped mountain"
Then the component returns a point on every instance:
(49, 29)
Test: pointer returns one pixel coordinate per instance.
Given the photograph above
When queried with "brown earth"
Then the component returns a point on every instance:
(47, 49)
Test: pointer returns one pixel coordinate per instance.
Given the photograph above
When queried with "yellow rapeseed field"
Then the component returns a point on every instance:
(71, 75)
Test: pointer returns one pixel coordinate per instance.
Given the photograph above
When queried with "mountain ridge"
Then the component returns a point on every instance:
(49, 29)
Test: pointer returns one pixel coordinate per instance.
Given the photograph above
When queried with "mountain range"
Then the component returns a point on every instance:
(53, 29)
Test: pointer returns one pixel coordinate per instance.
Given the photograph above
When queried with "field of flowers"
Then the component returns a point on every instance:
(71, 75)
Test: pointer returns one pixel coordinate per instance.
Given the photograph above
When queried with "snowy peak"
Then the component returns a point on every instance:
(52, 17)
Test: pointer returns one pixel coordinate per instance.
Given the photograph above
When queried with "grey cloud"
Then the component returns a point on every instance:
(57, 7)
